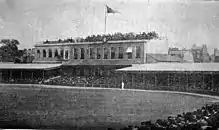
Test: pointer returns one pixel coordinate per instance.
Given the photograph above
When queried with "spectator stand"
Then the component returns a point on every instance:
(28, 72)
(172, 76)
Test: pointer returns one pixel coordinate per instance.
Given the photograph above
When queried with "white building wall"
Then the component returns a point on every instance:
(157, 46)
(188, 56)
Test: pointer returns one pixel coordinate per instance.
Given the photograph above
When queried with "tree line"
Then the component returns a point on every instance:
(9, 52)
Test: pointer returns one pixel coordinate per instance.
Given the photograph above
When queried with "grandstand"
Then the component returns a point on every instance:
(29, 73)
(172, 76)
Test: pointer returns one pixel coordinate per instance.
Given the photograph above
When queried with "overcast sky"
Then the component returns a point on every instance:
(184, 22)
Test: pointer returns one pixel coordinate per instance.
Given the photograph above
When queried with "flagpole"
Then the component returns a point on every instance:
(105, 20)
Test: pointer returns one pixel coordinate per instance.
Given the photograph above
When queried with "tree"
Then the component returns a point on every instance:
(111, 37)
(9, 50)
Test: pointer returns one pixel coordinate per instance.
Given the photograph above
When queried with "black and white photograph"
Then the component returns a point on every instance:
(109, 64)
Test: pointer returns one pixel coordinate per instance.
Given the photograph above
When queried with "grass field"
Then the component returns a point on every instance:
(53, 107)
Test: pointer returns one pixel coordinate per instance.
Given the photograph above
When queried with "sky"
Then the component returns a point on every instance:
(183, 22)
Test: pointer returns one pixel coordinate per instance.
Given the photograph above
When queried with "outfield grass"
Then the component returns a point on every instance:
(47, 106)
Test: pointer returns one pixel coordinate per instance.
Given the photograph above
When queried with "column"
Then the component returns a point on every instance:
(41, 53)
(116, 52)
(53, 53)
(69, 53)
(64, 54)
(59, 52)
(47, 53)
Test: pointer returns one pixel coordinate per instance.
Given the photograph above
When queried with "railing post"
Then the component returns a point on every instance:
(203, 81)
(133, 82)
(187, 79)
(32, 75)
(43, 75)
(10, 74)
(21, 75)
(168, 80)
(212, 82)
(155, 79)
(144, 79)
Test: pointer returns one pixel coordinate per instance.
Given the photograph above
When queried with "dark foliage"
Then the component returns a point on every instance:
(9, 50)
(109, 37)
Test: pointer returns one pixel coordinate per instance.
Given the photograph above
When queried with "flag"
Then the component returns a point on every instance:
(110, 10)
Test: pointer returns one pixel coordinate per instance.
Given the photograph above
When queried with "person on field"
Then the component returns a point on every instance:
(123, 84)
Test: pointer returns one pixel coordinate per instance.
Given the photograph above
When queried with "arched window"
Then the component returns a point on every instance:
(62, 53)
(121, 53)
(38, 53)
(56, 53)
(138, 52)
(50, 53)
(44, 53)
(75, 53)
(106, 53)
(82, 53)
(113, 52)
(66, 54)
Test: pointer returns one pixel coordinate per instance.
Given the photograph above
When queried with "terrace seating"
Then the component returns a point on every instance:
(205, 118)
(24, 81)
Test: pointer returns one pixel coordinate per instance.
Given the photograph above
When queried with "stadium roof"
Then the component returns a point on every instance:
(29, 66)
(207, 67)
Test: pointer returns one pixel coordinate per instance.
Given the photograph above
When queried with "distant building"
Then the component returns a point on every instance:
(188, 56)
(184, 54)
(215, 56)
(155, 58)
(200, 53)
(176, 52)
(196, 54)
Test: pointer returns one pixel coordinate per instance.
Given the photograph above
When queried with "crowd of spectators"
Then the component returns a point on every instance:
(109, 37)
(206, 118)
(78, 81)
(112, 81)
(23, 81)
(67, 80)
